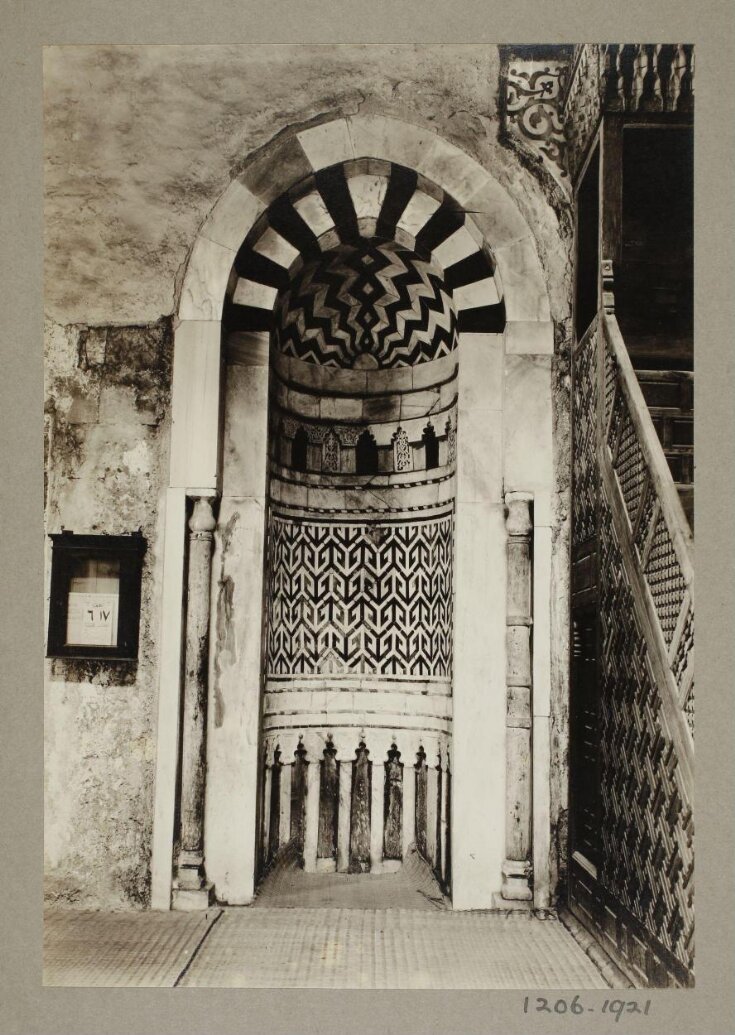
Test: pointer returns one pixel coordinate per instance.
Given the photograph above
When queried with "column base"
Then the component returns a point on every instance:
(515, 886)
(191, 899)
(511, 905)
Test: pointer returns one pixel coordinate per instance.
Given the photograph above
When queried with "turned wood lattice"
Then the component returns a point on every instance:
(627, 517)
(623, 77)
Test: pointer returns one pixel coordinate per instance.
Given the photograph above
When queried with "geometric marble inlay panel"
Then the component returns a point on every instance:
(354, 597)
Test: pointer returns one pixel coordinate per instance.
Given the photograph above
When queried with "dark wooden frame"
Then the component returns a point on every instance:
(68, 548)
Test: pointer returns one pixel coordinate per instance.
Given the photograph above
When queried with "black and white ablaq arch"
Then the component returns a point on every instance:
(307, 193)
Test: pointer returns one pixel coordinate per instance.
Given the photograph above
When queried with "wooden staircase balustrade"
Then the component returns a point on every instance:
(651, 523)
(631, 868)
(670, 398)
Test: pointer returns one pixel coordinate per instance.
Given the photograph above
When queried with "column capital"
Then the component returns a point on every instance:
(202, 521)
(518, 513)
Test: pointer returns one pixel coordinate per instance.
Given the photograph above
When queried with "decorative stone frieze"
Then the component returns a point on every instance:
(534, 93)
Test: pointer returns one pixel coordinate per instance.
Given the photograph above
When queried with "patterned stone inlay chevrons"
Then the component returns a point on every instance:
(376, 299)
(358, 597)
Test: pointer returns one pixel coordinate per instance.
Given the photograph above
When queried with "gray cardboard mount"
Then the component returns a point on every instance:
(25, 1006)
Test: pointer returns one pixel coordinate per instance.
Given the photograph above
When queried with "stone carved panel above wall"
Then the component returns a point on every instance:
(358, 597)
(533, 110)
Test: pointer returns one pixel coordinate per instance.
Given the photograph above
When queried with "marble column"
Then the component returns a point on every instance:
(191, 889)
(517, 866)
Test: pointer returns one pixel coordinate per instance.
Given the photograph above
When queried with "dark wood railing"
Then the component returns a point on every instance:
(632, 584)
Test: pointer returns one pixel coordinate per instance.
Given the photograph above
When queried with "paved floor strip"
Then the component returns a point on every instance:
(132, 949)
(194, 954)
(340, 935)
(340, 948)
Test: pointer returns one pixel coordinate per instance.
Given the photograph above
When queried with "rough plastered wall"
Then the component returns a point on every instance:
(107, 392)
(139, 144)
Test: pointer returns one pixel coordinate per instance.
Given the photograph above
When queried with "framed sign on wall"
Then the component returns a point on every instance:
(94, 609)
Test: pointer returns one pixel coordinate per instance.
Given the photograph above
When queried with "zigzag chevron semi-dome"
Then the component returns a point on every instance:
(373, 304)
(352, 204)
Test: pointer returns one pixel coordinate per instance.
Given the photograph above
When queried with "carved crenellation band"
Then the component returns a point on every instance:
(345, 742)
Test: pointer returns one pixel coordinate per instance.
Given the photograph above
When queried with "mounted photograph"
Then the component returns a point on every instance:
(369, 509)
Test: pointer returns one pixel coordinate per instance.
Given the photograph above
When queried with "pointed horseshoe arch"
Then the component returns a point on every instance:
(306, 192)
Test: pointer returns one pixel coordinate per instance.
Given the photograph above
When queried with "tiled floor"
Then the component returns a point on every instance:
(314, 948)
(377, 948)
(81, 947)
(320, 931)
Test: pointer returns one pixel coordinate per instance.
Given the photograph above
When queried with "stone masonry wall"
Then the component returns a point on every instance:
(106, 444)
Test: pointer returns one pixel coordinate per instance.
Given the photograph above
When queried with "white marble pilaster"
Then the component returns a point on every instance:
(343, 816)
(312, 813)
(284, 812)
(377, 819)
(265, 823)
(478, 727)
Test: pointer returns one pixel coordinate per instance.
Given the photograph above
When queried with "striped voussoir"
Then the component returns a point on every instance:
(337, 219)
